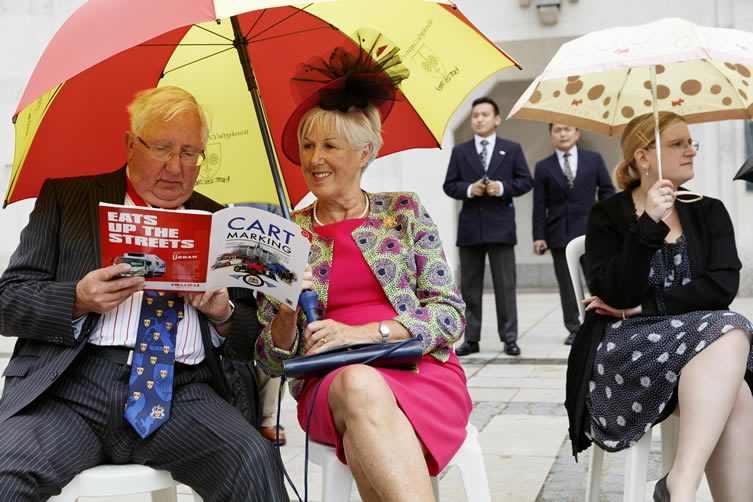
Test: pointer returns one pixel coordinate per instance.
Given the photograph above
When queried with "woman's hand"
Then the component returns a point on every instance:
(307, 283)
(597, 304)
(284, 324)
(328, 334)
(660, 200)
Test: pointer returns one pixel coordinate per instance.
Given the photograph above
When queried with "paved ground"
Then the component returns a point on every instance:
(518, 411)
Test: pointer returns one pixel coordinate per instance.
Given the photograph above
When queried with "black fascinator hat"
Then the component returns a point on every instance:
(347, 79)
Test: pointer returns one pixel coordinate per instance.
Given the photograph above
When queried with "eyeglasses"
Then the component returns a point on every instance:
(678, 146)
(164, 154)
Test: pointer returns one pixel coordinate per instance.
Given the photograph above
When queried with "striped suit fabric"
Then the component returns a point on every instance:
(61, 409)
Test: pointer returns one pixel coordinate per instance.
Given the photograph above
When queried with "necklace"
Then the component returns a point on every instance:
(362, 215)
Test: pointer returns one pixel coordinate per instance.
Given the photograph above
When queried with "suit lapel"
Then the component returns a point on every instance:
(496, 158)
(471, 156)
(584, 170)
(108, 188)
(557, 174)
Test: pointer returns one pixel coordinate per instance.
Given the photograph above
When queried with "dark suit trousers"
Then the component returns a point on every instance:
(502, 263)
(567, 295)
(78, 423)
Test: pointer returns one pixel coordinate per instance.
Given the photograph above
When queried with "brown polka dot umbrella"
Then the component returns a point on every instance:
(601, 80)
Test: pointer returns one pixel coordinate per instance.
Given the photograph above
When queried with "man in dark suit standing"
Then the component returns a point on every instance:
(67, 383)
(565, 189)
(486, 173)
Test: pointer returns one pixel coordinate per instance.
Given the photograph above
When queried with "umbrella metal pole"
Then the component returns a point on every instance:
(652, 72)
(241, 45)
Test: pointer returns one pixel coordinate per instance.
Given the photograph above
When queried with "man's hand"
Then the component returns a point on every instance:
(492, 188)
(478, 188)
(540, 246)
(215, 303)
(102, 290)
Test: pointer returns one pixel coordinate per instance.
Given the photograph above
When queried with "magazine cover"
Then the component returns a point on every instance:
(196, 250)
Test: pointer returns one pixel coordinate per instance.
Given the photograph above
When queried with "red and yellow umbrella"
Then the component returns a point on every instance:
(72, 117)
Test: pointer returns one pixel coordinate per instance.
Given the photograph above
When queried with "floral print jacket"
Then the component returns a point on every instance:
(401, 244)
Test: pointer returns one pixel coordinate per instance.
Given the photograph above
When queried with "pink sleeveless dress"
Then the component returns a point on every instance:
(435, 400)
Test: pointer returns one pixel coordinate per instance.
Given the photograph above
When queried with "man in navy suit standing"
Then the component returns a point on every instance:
(486, 173)
(565, 189)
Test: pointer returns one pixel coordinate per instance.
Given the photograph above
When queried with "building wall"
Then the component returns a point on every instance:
(27, 26)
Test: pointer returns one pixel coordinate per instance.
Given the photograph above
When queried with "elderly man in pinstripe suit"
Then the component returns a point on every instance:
(62, 407)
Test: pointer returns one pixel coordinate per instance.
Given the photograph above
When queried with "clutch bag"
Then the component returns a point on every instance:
(404, 354)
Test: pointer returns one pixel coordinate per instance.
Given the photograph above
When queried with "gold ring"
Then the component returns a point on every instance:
(323, 340)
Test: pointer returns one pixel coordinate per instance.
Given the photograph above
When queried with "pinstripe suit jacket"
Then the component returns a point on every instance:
(58, 247)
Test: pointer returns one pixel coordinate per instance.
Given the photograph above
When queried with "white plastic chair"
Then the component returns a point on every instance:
(337, 479)
(636, 463)
(114, 480)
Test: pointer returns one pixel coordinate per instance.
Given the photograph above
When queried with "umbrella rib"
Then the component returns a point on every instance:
(196, 61)
(298, 11)
(213, 33)
(254, 25)
(617, 98)
(183, 45)
(291, 33)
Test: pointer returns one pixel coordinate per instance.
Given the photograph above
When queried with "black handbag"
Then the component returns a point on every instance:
(404, 354)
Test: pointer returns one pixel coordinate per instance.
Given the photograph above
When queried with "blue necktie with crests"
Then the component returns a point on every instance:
(150, 388)
(483, 154)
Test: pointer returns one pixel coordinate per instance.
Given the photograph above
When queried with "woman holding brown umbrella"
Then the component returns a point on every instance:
(663, 275)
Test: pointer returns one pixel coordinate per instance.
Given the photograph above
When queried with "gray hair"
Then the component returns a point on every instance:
(360, 128)
(164, 103)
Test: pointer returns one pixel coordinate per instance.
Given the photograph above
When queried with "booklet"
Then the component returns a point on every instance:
(196, 250)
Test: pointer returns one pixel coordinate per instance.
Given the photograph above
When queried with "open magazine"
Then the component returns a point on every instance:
(196, 250)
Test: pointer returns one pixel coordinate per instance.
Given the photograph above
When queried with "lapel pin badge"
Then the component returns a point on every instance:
(502, 152)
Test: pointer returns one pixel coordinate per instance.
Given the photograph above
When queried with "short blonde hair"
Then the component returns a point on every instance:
(164, 103)
(360, 128)
(639, 133)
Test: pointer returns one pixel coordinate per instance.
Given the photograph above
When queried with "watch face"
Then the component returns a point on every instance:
(385, 330)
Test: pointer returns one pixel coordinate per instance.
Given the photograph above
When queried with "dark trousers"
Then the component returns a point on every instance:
(567, 295)
(78, 423)
(502, 263)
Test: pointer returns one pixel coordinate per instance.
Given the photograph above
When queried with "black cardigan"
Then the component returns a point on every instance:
(619, 249)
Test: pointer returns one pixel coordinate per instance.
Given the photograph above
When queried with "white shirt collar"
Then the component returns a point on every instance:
(492, 139)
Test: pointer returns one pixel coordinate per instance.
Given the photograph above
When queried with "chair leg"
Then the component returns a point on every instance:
(337, 481)
(195, 497)
(593, 478)
(165, 495)
(670, 432)
(435, 488)
(470, 461)
(636, 469)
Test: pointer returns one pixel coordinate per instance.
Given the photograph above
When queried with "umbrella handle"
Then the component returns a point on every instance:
(686, 196)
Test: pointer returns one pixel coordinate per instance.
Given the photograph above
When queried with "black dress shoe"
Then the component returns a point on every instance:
(512, 349)
(661, 493)
(570, 339)
(467, 348)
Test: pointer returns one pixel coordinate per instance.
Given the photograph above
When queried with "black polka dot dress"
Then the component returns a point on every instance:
(639, 360)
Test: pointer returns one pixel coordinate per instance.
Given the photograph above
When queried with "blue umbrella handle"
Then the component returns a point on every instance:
(309, 302)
